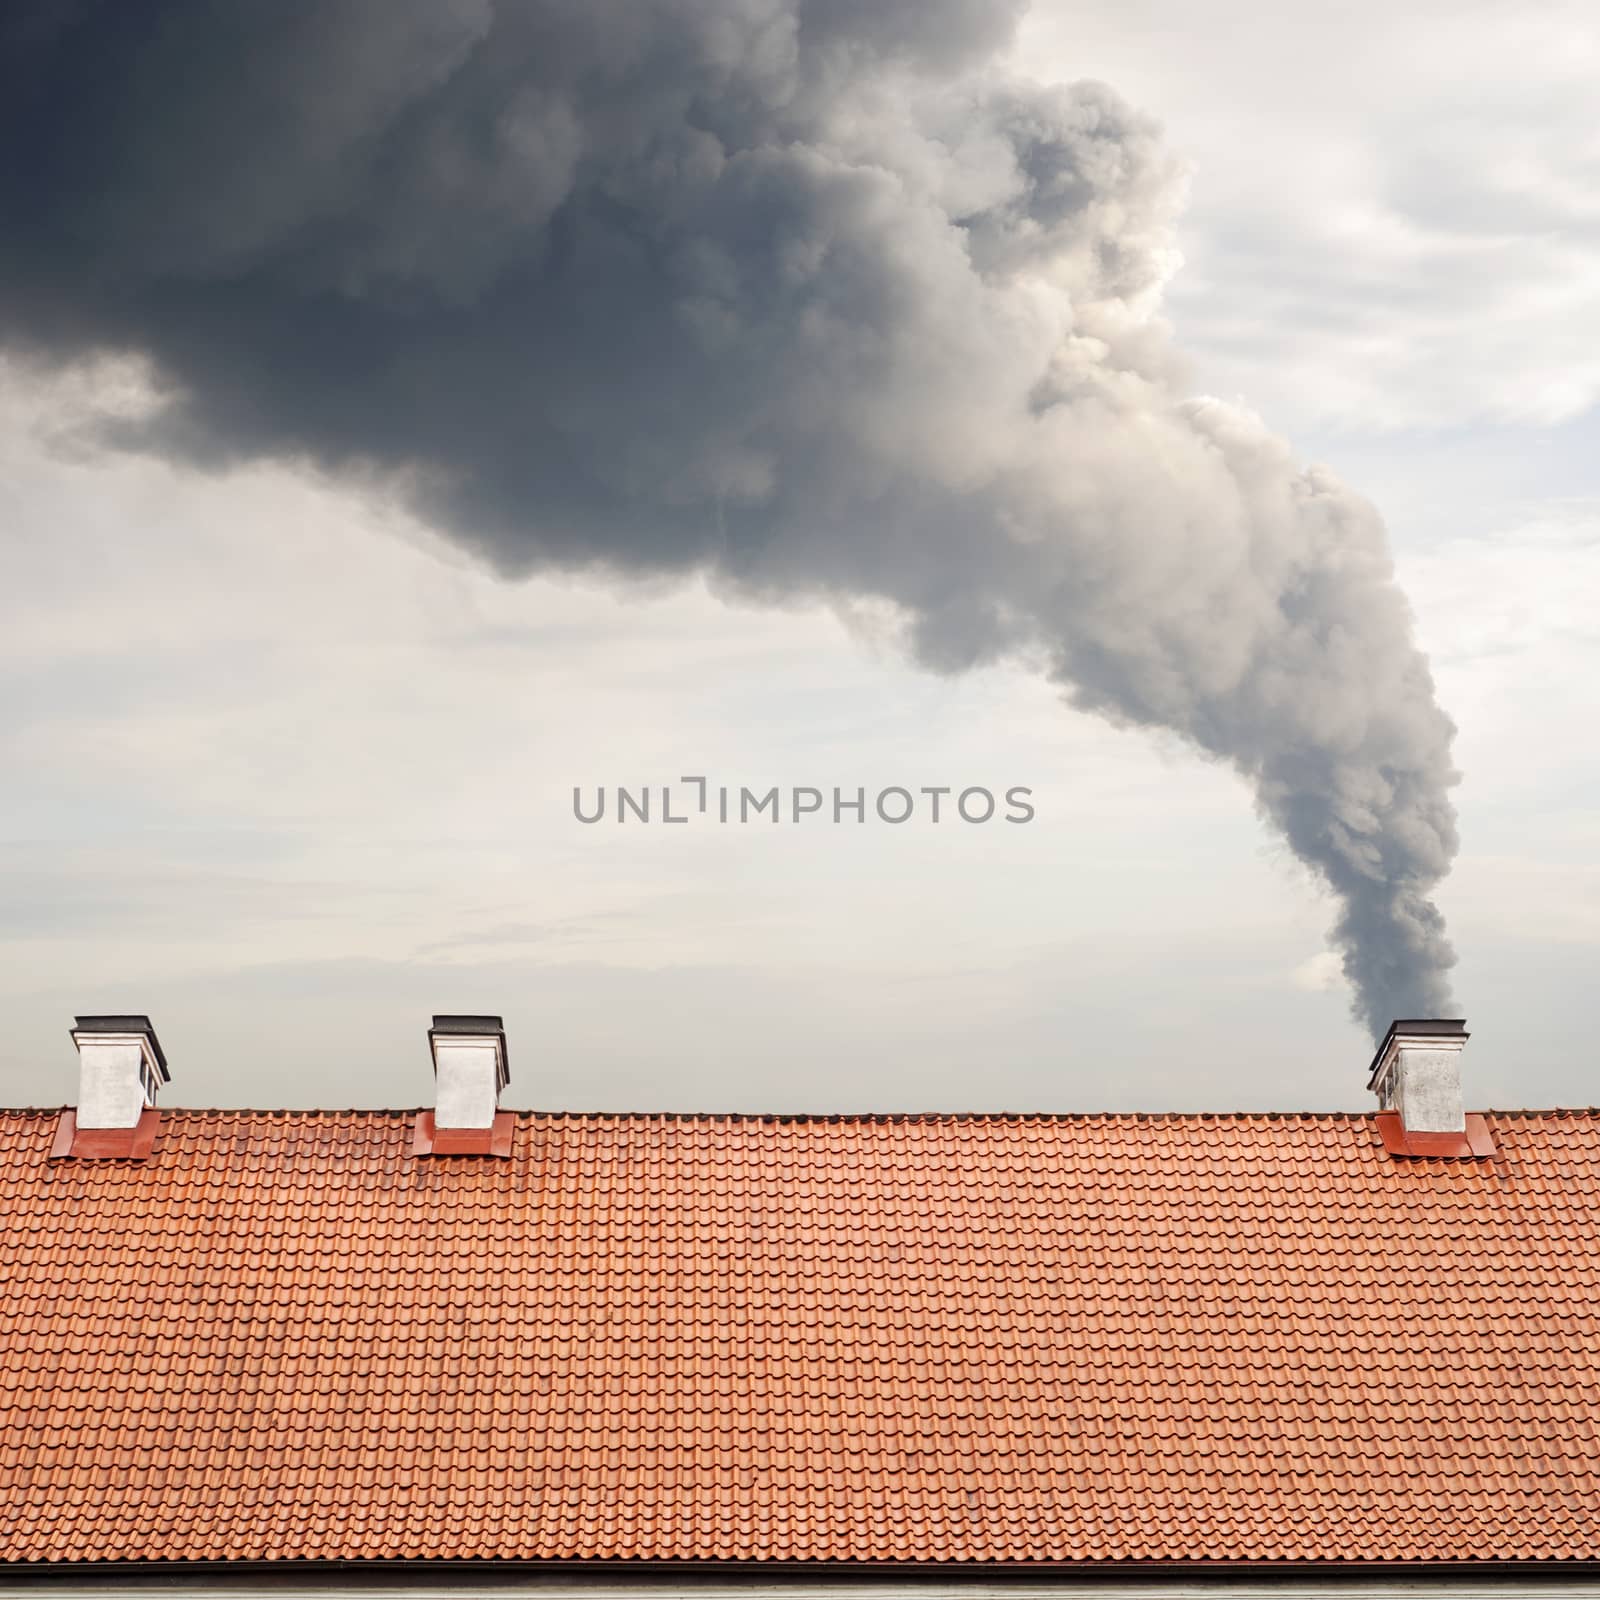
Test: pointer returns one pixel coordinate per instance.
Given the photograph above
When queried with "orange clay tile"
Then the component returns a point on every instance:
(883, 1340)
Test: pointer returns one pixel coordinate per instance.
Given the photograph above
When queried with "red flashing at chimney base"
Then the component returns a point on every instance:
(495, 1140)
(1475, 1141)
(105, 1144)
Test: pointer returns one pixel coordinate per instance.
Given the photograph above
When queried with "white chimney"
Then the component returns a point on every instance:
(1417, 1072)
(469, 1062)
(120, 1067)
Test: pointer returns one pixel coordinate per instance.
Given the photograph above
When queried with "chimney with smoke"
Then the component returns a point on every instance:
(1417, 1073)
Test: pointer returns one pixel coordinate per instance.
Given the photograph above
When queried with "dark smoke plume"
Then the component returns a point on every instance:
(807, 294)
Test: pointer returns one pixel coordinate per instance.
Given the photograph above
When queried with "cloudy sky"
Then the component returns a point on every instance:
(290, 744)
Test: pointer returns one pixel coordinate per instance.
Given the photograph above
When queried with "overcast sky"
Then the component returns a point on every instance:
(290, 770)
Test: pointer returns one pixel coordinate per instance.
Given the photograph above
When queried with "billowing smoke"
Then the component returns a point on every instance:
(810, 295)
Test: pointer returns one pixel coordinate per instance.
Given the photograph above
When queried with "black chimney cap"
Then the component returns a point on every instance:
(126, 1024)
(457, 1023)
(1424, 1027)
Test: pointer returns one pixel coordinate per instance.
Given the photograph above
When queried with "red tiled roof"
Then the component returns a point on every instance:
(885, 1340)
